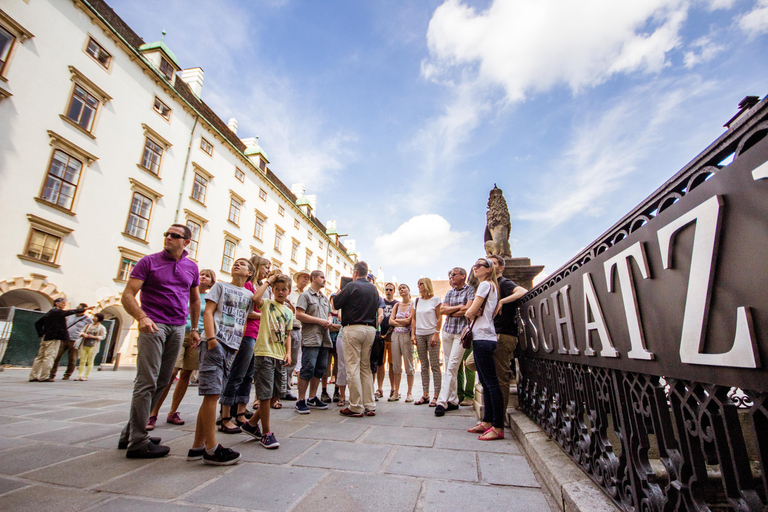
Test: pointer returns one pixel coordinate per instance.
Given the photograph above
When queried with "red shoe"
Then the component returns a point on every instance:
(349, 412)
(174, 419)
(151, 423)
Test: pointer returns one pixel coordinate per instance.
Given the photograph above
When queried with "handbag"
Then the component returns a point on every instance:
(466, 333)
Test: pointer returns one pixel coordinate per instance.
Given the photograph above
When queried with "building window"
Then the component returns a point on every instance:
(281, 211)
(239, 175)
(328, 270)
(195, 228)
(320, 244)
(166, 68)
(206, 146)
(82, 108)
(10, 32)
(295, 251)
(199, 188)
(229, 256)
(262, 164)
(126, 267)
(296, 224)
(263, 194)
(138, 217)
(98, 52)
(42, 246)
(234, 211)
(153, 155)
(162, 109)
(6, 43)
(319, 263)
(61, 182)
(337, 282)
(278, 240)
(309, 235)
(338, 260)
(307, 259)
(258, 231)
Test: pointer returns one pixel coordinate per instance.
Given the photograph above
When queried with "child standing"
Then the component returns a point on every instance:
(226, 309)
(272, 350)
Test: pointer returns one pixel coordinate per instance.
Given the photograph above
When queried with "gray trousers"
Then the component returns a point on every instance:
(157, 356)
(288, 370)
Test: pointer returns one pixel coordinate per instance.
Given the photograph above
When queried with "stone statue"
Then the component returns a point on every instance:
(498, 225)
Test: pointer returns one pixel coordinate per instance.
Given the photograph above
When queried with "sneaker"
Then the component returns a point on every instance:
(196, 453)
(349, 412)
(174, 419)
(122, 445)
(148, 451)
(325, 398)
(439, 410)
(268, 441)
(467, 402)
(393, 397)
(221, 456)
(251, 430)
(65, 377)
(316, 403)
(451, 407)
(301, 407)
(289, 397)
(151, 423)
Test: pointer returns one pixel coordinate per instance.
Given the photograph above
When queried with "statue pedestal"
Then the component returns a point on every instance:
(521, 271)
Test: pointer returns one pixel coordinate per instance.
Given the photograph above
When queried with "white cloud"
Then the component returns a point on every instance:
(720, 4)
(419, 241)
(707, 50)
(755, 22)
(526, 46)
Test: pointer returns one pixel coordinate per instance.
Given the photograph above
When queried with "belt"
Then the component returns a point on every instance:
(360, 323)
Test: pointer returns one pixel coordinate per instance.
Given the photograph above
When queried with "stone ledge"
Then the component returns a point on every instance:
(571, 489)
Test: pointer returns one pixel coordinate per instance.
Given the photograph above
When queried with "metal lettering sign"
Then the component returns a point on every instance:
(679, 287)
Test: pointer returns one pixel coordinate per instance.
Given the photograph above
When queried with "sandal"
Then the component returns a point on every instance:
(378, 394)
(477, 429)
(491, 435)
(421, 401)
(433, 403)
(228, 430)
(409, 398)
(244, 415)
(277, 405)
(342, 402)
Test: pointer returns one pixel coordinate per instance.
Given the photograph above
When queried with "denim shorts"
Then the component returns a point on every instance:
(214, 368)
(267, 377)
(314, 362)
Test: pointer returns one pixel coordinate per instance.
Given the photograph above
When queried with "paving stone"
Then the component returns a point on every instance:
(431, 421)
(109, 441)
(49, 499)
(290, 448)
(98, 404)
(78, 434)
(347, 456)
(63, 413)
(166, 478)
(106, 418)
(463, 440)
(6, 484)
(434, 463)
(24, 428)
(258, 486)
(401, 436)
(352, 492)
(5, 420)
(388, 419)
(317, 416)
(136, 505)
(442, 496)
(503, 469)
(331, 431)
(12, 442)
(89, 470)
(25, 458)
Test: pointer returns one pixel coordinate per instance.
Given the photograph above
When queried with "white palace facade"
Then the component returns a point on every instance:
(105, 142)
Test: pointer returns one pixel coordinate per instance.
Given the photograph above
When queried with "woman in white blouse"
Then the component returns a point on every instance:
(92, 337)
(426, 321)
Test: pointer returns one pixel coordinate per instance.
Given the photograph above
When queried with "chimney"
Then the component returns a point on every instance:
(232, 124)
(744, 107)
(298, 190)
(194, 79)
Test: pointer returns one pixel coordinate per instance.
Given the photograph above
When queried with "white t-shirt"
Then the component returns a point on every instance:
(483, 329)
(426, 320)
(233, 303)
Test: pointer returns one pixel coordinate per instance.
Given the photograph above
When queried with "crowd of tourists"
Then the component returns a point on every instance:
(257, 331)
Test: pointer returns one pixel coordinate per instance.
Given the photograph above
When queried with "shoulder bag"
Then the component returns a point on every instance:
(466, 332)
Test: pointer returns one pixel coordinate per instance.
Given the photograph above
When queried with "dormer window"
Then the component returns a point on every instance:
(166, 68)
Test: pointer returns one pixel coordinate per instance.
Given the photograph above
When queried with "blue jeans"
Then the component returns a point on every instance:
(314, 362)
(493, 401)
(238, 388)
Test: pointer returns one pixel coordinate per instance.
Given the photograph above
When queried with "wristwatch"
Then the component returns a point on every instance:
(194, 329)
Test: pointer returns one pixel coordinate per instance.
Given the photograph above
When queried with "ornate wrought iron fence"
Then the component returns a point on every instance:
(649, 390)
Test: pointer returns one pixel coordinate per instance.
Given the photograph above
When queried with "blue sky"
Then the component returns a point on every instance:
(401, 116)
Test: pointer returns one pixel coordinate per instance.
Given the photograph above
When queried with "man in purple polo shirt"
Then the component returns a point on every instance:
(168, 282)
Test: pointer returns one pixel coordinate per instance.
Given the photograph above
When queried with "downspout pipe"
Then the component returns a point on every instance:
(186, 168)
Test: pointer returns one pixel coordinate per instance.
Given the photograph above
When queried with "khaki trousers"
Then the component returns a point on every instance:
(505, 350)
(358, 341)
(43, 363)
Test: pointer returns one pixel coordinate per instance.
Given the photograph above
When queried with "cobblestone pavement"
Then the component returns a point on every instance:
(58, 452)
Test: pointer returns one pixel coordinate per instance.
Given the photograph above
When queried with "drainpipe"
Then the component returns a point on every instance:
(186, 166)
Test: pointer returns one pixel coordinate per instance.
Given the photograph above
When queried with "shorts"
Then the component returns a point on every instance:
(314, 361)
(214, 368)
(189, 358)
(267, 377)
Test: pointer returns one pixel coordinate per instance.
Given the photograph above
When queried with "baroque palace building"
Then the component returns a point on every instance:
(105, 142)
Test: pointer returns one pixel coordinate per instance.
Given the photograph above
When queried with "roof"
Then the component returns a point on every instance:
(256, 150)
(160, 45)
(303, 201)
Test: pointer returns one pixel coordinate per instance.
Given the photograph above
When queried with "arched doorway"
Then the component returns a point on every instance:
(112, 309)
(33, 292)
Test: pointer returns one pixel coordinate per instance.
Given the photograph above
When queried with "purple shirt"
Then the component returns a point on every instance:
(165, 293)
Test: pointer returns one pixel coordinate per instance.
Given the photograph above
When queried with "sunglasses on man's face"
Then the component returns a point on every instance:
(175, 236)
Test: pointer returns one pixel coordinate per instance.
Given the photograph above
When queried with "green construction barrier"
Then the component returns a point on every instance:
(24, 342)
